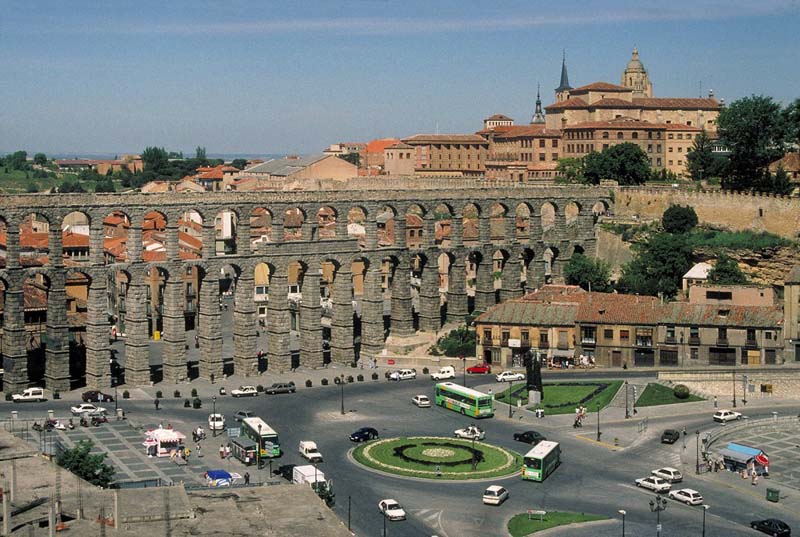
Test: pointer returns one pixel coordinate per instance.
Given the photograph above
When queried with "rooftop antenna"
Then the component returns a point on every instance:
(437, 127)
(700, 89)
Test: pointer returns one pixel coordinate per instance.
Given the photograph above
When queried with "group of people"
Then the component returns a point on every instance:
(198, 434)
(224, 451)
(580, 414)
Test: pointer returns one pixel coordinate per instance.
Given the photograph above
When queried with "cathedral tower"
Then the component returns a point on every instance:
(635, 77)
(538, 115)
(562, 91)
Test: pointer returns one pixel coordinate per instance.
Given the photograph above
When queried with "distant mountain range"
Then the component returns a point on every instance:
(109, 156)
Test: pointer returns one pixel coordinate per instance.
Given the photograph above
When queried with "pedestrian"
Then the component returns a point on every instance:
(156, 403)
(438, 471)
(228, 450)
(197, 449)
(716, 403)
(246, 478)
(221, 451)
(186, 453)
(212, 378)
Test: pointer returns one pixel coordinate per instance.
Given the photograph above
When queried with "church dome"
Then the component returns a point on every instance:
(635, 64)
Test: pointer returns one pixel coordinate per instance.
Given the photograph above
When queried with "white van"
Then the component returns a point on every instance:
(308, 449)
(444, 373)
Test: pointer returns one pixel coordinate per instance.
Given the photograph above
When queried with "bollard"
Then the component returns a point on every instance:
(50, 414)
(774, 416)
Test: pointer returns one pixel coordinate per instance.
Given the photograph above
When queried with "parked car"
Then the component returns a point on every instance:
(529, 437)
(471, 432)
(363, 434)
(667, 473)
(653, 483)
(245, 391)
(772, 526)
(281, 387)
(96, 396)
(28, 395)
(723, 416)
(687, 496)
(87, 408)
(421, 401)
(243, 414)
(446, 372)
(391, 509)
(509, 376)
(403, 374)
(495, 495)
(479, 369)
(670, 436)
(216, 422)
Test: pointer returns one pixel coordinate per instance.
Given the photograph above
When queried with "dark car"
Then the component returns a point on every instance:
(364, 434)
(772, 526)
(529, 437)
(96, 396)
(286, 471)
(670, 436)
(242, 414)
(281, 387)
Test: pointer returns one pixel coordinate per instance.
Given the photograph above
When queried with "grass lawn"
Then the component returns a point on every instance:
(520, 525)
(657, 394)
(380, 455)
(562, 398)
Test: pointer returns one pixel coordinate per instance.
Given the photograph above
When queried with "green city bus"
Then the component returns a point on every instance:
(540, 462)
(465, 400)
(263, 435)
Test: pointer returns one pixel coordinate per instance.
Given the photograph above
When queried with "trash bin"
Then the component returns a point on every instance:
(773, 495)
(120, 414)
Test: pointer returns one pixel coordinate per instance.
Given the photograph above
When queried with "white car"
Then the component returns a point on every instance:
(495, 495)
(687, 496)
(723, 416)
(509, 376)
(421, 401)
(672, 475)
(403, 374)
(245, 391)
(470, 433)
(216, 422)
(391, 509)
(87, 408)
(653, 483)
(29, 394)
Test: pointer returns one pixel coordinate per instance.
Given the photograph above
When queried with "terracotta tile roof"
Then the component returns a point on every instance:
(189, 241)
(598, 86)
(445, 139)
(36, 241)
(213, 174)
(617, 124)
(525, 131)
(150, 256)
(680, 127)
(677, 103)
(377, 146)
(530, 313)
(498, 117)
(612, 103)
(74, 240)
(549, 293)
(572, 102)
(116, 220)
(496, 129)
(682, 313)
(790, 162)
(611, 308)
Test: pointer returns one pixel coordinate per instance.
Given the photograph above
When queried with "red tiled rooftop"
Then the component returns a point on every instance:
(572, 102)
(676, 103)
(377, 146)
(599, 86)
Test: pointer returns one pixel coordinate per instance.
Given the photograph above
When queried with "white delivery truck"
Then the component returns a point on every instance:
(307, 474)
(308, 449)
(444, 373)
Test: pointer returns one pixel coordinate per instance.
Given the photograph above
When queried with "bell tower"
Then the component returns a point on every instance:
(562, 91)
(635, 77)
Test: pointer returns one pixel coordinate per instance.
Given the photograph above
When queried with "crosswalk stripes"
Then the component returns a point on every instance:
(429, 516)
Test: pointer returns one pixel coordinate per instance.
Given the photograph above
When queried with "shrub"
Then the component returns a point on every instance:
(176, 394)
(126, 394)
(679, 219)
(386, 374)
(187, 403)
(425, 371)
(353, 364)
(260, 388)
(360, 378)
(349, 378)
(159, 395)
(324, 382)
(194, 392)
(8, 397)
(375, 376)
(309, 383)
(681, 391)
(197, 403)
(337, 380)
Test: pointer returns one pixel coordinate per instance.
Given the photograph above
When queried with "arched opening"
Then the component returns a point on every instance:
(35, 292)
(326, 222)
(470, 224)
(356, 225)
(116, 227)
(443, 265)
(442, 216)
(75, 238)
(600, 208)
(385, 222)
(571, 213)
(523, 223)
(34, 241)
(225, 224)
(261, 276)
(76, 309)
(497, 222)
(190, 235)
(549, 257)
(293, 220)
(415, 216)
(154, 237)
(260, 227)
(548, 218)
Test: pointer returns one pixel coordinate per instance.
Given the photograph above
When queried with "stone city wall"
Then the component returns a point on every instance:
(720, 382)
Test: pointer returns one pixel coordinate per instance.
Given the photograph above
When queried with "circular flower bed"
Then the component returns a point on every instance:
(438, 458)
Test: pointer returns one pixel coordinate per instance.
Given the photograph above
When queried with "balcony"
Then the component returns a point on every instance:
(544, 344)
(644, 342)
(694, 340)
(670, 340)
(562, 346)
(588, 341)
(751, 344)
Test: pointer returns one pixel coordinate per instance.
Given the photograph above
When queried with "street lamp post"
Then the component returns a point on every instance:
(734, 385)
(214, 412)
(341, 385)
(627, 413)
(744, 390)
(115, 397)
(656, 506)
(697, 454)
(623, 513)
(258, 449)
(510, 384)
(705, 508)
(598, 422)
(464, 364)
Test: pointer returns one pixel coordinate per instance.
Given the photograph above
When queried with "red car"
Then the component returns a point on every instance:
(480, 369)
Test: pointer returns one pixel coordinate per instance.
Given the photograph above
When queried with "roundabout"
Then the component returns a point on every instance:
(438, 458)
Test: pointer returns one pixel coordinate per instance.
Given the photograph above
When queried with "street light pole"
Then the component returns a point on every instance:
(697, 463)
(656, 506)
(464, 364)
(623, 513)
(214, 413)
(510, 384)
(598, 422)
(705, 508)
(627, 413)
(734, 385)
(341, 385)
(258, 449)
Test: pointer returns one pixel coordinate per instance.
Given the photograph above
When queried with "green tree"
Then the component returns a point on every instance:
(40, 159)
(658, 267)
(571, 170)
(239, 163)
(155, 158)
(702, 162)
(200, 153)
(754, 130)
(780, 182)
(83, 464)
(590, 274)
(625, 163)
(18, 160)
(352, 158)
(105, 185)
(792, 118)
(31, 188)
(459, 342)
(679, 219)
(70, 186)
(726, 272)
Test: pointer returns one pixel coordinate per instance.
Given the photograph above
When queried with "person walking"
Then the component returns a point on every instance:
(246, 478)
(221, 451)
(156, 403)
(716, 403)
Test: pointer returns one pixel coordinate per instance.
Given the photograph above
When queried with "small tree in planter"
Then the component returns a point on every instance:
(159, 395)
(375, 376)
(349, 378)
(187, 403)
(360, 378)
(126, 394)
(309, 383)
(681, 391)
(194, 392)
(197, 403)
(337, 380)
(260, 388)
(176, 394)
(425, 371)
(324, 382)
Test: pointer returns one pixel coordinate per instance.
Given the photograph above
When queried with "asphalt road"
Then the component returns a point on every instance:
(591, 479)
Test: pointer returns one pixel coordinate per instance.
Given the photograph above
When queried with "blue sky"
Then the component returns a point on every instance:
(259, 77)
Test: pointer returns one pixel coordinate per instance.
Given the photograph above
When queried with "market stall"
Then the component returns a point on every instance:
(163, 442)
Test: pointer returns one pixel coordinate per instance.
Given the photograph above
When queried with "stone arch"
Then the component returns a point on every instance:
(499, 259)
(522, 221)
(154, 236)
(260, 227)
(386, 222)
(550, 257)
(497, 222)
(226, 222)
(357, 224)
(75, 237)
(326, 222)
(116, 233)
(293, 220)
(470, 223)
(443, 216)
(548, 213)
(571, 213)
(190, 235)
(34, 239)
(415, 226)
